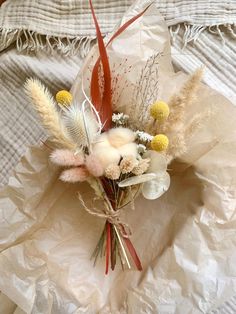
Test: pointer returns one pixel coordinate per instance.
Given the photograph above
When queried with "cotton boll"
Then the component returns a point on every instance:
(128, 150)
(73, 175)
(101, 141)
(120, 136)
(107, 155)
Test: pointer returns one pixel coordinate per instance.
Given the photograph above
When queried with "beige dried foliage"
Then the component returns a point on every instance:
(45, 106)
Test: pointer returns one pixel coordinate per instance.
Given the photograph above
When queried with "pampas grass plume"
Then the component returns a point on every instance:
(174, 127)
(65, 157)
(191, 86)
(197, 122)
(177, 146)
(178, 102)
(74, 175)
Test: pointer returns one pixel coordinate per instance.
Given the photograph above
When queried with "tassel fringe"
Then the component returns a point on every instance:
(192, 32)
(28, 41)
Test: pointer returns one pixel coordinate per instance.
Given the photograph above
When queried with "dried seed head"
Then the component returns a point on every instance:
(127, 164)
(112, 172)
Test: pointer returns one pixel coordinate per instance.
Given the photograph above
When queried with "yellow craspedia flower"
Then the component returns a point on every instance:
(63, 97)
(159, 110)
(160, 143)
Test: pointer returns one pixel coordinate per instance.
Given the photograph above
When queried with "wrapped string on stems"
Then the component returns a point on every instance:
(115, 235)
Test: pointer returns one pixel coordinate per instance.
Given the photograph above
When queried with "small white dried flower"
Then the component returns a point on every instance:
(120, 118)
(143, 136)
(141, 148)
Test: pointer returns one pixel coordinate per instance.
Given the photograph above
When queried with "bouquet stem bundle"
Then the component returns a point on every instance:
(114, 241)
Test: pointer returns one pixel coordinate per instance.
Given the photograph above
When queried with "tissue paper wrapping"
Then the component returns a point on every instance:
(186, 239)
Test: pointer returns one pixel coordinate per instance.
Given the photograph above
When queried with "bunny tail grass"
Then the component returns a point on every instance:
(66, 158)
(45, 106)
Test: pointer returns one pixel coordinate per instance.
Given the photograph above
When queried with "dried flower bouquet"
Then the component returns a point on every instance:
(108, 150)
